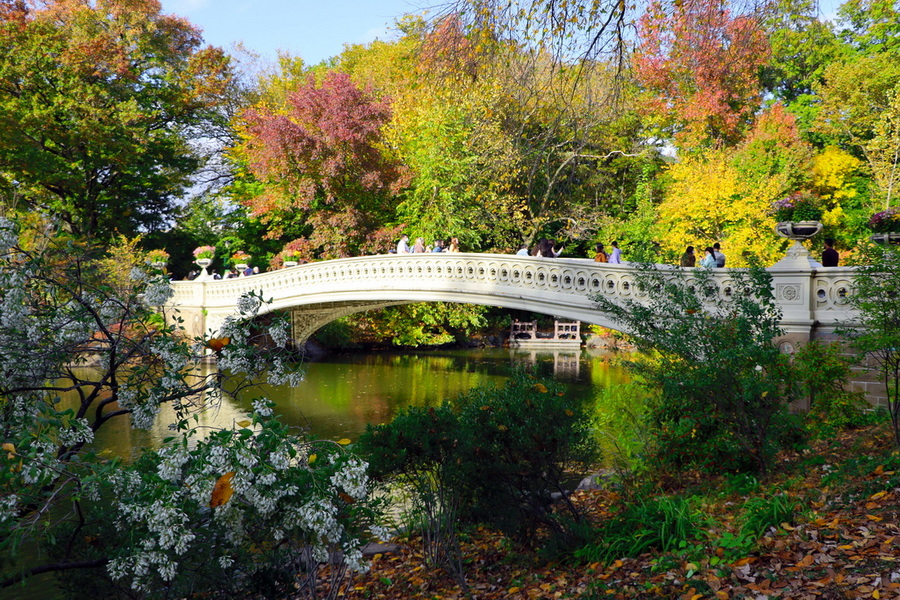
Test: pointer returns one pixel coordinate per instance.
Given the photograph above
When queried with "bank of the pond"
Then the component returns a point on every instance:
(835, 539)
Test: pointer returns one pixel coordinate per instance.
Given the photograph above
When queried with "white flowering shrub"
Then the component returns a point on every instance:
(256, 509)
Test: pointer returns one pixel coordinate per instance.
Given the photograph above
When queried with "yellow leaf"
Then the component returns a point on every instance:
(345, 442)
(244, 423)
(878, 496)
(873, 518)
(513, 590)
(540, 387)
(222, 491)
(876, 594)
(10, 448)
(311, 459)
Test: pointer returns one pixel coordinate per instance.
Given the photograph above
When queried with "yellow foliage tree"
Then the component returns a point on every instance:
(708, 201)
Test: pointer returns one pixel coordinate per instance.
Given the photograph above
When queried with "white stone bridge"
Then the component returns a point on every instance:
(813, 300)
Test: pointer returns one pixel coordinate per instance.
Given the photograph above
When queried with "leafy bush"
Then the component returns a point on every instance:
(524, 437)
(500, 455)
(822, 371)
(721, 387)
(422, 448)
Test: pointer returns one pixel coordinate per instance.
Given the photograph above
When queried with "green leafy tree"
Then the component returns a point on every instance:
(721, 386)
(860, 108)
(99, 104)
(802, 46)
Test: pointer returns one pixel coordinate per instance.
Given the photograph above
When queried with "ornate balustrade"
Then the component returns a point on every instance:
(811, 299)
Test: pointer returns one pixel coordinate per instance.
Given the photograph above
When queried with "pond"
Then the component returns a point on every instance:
(342, 393)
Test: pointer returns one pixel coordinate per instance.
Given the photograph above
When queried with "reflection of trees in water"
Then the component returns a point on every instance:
(341, 394)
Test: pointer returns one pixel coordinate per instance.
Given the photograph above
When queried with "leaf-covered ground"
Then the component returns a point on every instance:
(845, 543)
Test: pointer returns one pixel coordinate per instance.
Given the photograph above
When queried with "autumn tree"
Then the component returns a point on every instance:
(99, 102)
(322, 164)
(700, 61)
(726, 194)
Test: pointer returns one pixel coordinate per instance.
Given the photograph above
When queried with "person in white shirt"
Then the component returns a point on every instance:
(523, 251)
(403, 245)
(615, 257)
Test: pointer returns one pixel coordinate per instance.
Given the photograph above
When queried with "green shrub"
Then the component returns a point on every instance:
(821, 371)
(501, 455)
(525, 437)
(721, 387)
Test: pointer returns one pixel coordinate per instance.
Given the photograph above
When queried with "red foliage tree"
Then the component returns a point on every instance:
(702, 63)
(323, 165)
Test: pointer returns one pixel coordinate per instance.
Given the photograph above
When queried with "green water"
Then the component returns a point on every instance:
(342, 393)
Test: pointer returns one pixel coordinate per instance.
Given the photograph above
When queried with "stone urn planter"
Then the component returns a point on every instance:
(241, 267)
(290, 263)
(797, 255)
(798, 230)
(886, 238)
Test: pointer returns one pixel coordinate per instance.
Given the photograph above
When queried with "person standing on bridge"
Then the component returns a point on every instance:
(600, 256)
(688, 259)
(717, 252)
(403, 244)
(830, 256)
(523, 250)
(547, 249)
(454, 245)
(419, 246)
(709, 258)
(615, 257)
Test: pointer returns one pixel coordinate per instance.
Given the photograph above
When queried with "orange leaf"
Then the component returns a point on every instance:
(513, 590)
(216, 344)
(806, 561)
(874, 518)
(541, 388)
(222, 491)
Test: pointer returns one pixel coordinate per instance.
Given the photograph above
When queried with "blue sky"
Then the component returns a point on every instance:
(312, 29)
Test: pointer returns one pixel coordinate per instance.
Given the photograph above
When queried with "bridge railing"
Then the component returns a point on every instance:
(561, 287)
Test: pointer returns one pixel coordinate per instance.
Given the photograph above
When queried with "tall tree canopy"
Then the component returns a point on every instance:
(323, 164)
(702, 61)
(99, 102)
